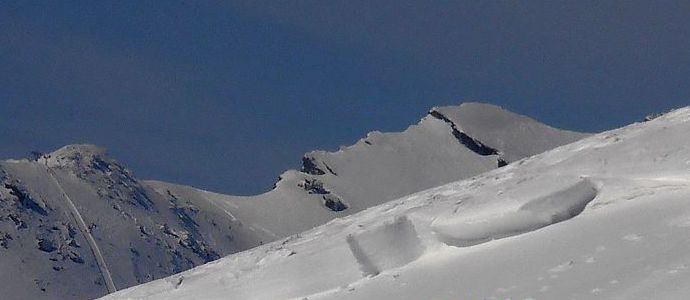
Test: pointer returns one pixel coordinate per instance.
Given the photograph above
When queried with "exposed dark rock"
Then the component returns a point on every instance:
(502, 162)
(653, 116)
(4, 239)
(75, 257)
(71, 231)
(334, 204)
(191, 238)
(179, 262)
(46, 245)
(329, 169)
(473, 144)
(100, 165)
(41, 284)
(25, 199)
(143, 230)
(179, 281)
(331, 201)
(73, 243)
(189, 241)
(309, 167)
(314, 187)
(18, 222)
(184, 213)
(35, 155)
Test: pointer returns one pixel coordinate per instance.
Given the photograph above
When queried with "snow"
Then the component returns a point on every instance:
(602, 218)
(479, 226)
(74, 211)
(383, 167)
(389, 245)
(77, 224)
(515, 135)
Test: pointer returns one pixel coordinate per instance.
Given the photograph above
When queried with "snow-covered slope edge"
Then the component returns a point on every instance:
(603, 218)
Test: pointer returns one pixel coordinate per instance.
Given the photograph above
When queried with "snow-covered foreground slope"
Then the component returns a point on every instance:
(76, 224)
(607, 217)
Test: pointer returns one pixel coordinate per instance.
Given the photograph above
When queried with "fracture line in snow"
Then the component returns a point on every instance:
(87, 234)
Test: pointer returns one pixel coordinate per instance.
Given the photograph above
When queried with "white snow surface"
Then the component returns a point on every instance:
(76, 224)
(515, 135)
(607, 217)
(385, 166)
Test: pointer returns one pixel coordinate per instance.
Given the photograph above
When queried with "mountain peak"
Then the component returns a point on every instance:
(608, 200)
(74, 155)
(82, 149)
(516, 135)
(474, 107)
(151, 230)
(476, 114)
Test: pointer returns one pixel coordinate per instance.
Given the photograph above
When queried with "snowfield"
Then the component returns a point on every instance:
(450, 143)
(607, 217)
(76, 224)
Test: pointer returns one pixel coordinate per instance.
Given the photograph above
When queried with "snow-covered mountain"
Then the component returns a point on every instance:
(75, 224)
(606, 217)
(450, 143)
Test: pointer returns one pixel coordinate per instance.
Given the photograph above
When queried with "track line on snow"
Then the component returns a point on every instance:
(251, 227)
(110, 285)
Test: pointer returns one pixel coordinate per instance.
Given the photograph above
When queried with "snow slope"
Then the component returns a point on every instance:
(441, 148)
(606, 217)
(78, 225)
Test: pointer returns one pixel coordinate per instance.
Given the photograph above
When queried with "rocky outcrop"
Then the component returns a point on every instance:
(77, 218)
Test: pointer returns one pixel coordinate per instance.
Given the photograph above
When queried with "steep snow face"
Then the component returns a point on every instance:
(602, 218)
(385, 166)
(75, 224)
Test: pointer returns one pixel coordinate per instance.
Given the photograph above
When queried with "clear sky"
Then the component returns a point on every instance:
(226, 95)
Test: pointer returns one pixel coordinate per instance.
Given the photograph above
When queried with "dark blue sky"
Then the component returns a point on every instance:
(226, 95)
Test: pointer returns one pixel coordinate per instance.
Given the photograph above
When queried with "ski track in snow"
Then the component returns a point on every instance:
(102, 266)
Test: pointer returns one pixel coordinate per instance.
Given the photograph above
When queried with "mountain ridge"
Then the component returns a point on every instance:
(605, 217)
(74, 212)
